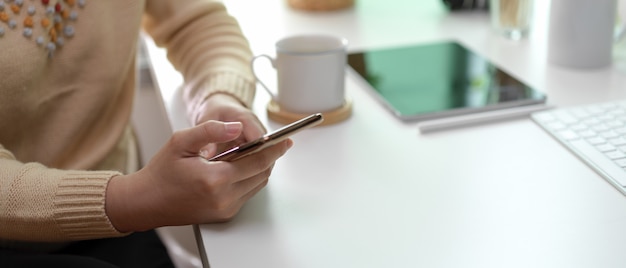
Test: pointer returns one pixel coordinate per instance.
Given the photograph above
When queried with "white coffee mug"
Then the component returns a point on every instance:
(581, 33)
(310, 73)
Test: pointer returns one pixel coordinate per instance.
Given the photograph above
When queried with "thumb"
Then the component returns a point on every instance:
(193, 139)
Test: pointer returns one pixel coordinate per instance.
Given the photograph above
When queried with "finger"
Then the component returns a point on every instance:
(243, 187)
(252, 192)
(256, 163)
(209, 150)
(256, 187)
(195, 138)
(253, 128)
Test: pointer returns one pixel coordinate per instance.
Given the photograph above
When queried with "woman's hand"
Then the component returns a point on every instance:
(226, 108)
(178, 187)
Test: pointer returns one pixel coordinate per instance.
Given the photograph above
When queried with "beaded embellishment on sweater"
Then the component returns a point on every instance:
(48, 23)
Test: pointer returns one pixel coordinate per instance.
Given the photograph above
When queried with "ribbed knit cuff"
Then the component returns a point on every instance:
(79, 206)
(225, 82)
(234, 84)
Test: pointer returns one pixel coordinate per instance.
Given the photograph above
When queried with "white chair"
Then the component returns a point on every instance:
(181, 245)
(152, 132)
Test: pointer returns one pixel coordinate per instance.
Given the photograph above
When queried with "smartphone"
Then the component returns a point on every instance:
(268, 139)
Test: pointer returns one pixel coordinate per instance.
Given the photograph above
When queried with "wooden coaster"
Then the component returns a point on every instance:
(275, 113)
(320, 5)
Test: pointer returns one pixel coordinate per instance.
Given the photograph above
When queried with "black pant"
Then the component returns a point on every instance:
(142, 249)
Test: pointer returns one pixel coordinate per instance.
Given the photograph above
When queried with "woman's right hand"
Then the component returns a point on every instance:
(179, 187)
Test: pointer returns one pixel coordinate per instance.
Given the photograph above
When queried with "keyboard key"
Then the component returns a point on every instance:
(600, 128)
(607, 106)
(597, 141)
(609, 135)
(621, 148)
(595, 110)
(581, 127)
(617, 141)
(556, 125)
(588, 133)
(621, 162)
(544, 117)
(566, 118)
(580, 113)
(617, 112)
(621, 130)
(592, 121)
(568, 135)
(605, 117)
(615, 154)
(613, 124)
(607, 147)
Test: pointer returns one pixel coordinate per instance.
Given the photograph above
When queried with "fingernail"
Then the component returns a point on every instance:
(232, 127)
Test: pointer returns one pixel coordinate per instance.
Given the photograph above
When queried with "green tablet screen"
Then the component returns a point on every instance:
(437, 80)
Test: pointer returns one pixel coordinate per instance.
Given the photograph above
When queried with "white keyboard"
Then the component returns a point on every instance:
(595, 133)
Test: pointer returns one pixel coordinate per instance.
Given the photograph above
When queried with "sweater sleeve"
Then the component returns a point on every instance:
(206, 45)
(49, 205)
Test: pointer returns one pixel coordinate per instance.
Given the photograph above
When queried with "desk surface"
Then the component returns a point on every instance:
(373, 192)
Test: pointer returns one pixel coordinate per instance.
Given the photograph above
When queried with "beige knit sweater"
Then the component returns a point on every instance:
(67, 78)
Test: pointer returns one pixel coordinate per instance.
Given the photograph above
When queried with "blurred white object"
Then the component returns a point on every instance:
(581, 33)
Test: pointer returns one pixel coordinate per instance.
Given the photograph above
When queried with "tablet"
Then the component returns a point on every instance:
(427, 81)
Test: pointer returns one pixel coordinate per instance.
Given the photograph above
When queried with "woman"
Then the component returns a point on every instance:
(68, 165)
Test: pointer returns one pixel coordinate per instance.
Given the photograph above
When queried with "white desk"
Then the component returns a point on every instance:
(373, 192)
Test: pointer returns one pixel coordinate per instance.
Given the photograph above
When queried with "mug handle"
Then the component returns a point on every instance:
(272, 94)
(620, 31)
